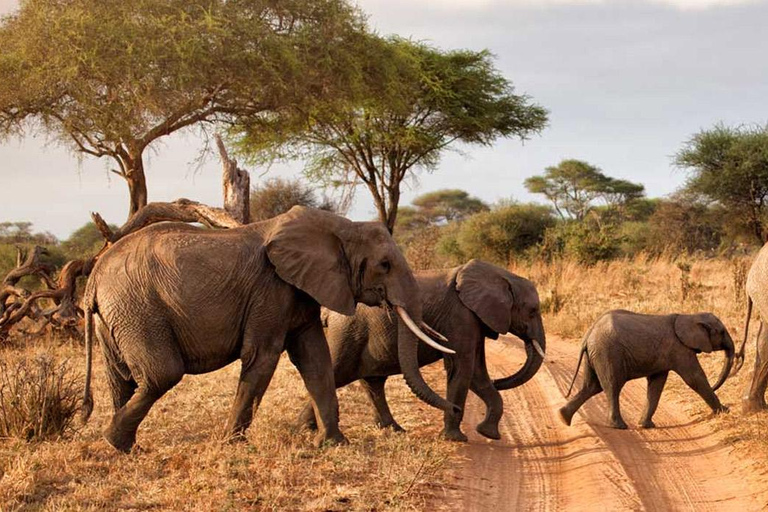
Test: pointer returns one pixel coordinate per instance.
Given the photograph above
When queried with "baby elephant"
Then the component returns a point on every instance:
(622, 346)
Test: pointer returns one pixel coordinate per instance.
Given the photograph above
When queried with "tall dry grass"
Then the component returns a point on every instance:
(574, 296)
(183, 463)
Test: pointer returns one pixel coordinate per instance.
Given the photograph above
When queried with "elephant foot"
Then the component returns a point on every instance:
(324, 439)
(118, 440)
(393, 425)
(455, 435)
(307, 420)
(647, 424)
(565, 417)
(618, 424)
(721, 410)
(489, 430)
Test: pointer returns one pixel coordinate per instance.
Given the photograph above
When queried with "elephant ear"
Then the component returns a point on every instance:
(693, 333)
(306, 253)
(484, 289)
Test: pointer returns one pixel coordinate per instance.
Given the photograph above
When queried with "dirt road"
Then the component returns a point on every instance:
(541, 464)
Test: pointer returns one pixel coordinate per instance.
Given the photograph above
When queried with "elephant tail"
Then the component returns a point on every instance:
(576, 373)
(581, 356)
(740, 352)
(87, 407)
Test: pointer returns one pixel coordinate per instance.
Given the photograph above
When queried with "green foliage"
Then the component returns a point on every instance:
(572, 186)
(443, 206)
(276, 196)
(498, 234)
(730, 166)
(84, 242)
(108, 78)
(412, 101)
(587, 242)
(682, 225)
(21, 233)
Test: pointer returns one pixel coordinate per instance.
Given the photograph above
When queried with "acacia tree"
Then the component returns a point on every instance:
(411, 103)
(573, 186)
(109, 78)
(730, 166)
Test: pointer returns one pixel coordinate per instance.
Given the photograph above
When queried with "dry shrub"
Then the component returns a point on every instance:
(39, 397)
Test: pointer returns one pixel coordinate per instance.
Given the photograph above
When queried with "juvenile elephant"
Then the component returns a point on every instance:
(623, 345)
(468, 304)
(173, 299)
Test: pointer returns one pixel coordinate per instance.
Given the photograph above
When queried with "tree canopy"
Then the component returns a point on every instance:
(109, 78)
(730, 166)
(573, 186)
(411, 103)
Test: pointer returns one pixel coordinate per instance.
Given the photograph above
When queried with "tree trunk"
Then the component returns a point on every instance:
(137, 184)
(237, 186)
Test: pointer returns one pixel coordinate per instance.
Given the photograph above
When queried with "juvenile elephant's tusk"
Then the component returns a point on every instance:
(402, 313)
(538, 348)
(430, 331)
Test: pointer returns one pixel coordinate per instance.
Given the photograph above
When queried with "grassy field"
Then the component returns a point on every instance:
(183, 464)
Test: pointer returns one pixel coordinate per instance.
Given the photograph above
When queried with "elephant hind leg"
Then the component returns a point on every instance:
(755, 399)
(590, 387)
(159, 366)
(307, 419)
(374, 389)
(120, 388)
(655, 387)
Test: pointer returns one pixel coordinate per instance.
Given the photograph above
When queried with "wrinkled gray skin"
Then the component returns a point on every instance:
(622, 346)
(757, 294)
(173, 299)
(466, 304)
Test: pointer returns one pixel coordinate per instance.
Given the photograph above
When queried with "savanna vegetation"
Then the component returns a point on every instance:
(307, 80)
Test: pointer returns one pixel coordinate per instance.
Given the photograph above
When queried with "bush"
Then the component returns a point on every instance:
(497, 234)
(277, 196)
(39, 398)
(586, 242)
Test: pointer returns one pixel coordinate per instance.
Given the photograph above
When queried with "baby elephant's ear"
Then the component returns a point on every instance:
(694, 332)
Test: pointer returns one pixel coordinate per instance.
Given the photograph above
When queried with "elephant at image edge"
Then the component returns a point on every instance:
(623, 345)
(757, 295)
(467, 304)
(173, 299)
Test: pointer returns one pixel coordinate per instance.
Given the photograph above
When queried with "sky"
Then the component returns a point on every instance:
(626, 82)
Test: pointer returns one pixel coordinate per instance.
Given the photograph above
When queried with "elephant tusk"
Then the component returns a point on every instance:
(402, 313)
(430, 331)
(538, 348)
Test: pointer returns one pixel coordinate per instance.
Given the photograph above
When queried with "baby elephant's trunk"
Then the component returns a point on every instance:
(729, 353)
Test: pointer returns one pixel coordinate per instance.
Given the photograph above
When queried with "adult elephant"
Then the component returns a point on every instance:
(757, 295)
(468, 304)
(173, 299)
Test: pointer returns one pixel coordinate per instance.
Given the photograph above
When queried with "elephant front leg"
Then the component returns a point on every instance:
(259, 360)
(482, 386)
(655, 387)
(459, 377)
(309, 352)
(697, 381)
(374, 389)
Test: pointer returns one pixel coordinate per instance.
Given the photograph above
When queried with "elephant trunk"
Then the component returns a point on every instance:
(729, 354)
(533, 361)
(407, 350)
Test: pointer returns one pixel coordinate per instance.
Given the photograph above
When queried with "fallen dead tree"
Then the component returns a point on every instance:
(18, 303)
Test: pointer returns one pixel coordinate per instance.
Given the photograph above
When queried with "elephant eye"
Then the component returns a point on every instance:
(385, 266)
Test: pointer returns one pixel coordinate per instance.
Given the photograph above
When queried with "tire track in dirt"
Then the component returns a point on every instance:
(540, 464)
